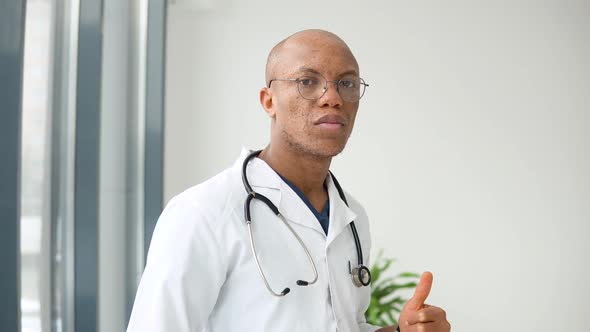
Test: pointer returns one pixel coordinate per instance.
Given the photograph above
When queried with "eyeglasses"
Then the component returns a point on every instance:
(313, 87)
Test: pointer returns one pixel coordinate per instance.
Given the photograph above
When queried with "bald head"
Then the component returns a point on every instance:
(279, 58)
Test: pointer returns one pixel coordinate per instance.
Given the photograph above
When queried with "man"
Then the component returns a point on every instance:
(210, 270)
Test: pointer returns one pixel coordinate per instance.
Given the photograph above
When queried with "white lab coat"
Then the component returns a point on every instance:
(201, 275)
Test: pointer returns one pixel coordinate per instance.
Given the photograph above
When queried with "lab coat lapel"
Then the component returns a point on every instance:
(340, 214)
(295, 210)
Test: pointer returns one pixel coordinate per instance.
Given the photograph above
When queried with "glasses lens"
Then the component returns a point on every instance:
(311, 87)
(351, 89)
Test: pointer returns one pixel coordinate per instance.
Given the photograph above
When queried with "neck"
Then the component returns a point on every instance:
(307, 173)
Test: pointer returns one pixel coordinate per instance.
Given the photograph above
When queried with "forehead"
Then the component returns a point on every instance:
(327, 57)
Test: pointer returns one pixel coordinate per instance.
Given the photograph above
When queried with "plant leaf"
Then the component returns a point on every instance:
(385, 303)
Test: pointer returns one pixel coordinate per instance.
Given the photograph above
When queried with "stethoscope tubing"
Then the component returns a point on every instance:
(357, 280)
(355, 234)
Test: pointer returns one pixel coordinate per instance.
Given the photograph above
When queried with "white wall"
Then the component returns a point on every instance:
(473, 138)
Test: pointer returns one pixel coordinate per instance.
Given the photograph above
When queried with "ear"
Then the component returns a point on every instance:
(266, 101)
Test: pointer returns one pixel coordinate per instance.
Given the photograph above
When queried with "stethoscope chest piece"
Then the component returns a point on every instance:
(361, 276)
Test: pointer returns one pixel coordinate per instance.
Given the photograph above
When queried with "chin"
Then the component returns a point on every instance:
(327, 151)
(319, 148)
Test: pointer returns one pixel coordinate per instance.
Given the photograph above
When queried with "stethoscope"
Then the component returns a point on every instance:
(361, 276)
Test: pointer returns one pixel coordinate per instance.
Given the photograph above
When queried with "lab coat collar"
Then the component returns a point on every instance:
(340, 214)
(261, 175)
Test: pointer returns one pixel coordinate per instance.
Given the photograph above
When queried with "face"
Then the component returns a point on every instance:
(315, 128)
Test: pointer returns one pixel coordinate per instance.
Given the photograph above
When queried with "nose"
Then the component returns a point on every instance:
(330, 97)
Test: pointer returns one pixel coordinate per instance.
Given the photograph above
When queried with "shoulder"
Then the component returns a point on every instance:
(196, 215)
(213, 198)
(362, 220)
(356, 206)
(202, 212)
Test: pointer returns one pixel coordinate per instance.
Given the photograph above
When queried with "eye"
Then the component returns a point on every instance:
(348, 83)
(308, 82)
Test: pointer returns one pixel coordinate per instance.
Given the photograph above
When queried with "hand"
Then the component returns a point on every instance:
(420, 317)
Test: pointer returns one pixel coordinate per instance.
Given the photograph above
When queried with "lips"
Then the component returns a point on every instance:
(331, 119)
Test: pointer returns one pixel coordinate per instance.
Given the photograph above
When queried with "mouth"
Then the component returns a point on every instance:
(331, 121)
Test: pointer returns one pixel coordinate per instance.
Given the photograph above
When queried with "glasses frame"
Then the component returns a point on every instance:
(325, 88)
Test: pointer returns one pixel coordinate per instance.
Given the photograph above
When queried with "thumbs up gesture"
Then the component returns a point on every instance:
(420, 317)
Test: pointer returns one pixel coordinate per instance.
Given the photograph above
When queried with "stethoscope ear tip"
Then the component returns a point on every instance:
(302, 283)
(285, 291)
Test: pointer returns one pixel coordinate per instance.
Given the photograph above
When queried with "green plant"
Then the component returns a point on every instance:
(385, 304)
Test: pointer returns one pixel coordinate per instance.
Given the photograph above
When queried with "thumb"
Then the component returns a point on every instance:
(421, 293)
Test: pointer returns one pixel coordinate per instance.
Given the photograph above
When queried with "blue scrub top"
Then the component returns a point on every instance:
(324, 216)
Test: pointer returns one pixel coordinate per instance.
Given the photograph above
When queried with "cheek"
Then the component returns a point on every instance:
(289, 109)
(297, 114)
(353, 118)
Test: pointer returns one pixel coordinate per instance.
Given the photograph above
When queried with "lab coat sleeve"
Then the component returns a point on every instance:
(365, 236)
(184, 272)
(363, 325)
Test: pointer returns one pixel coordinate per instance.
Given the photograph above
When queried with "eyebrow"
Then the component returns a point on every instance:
(307, 70)
(313, 71)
